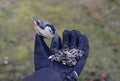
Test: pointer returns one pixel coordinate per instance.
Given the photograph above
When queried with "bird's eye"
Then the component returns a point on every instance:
(50, 30)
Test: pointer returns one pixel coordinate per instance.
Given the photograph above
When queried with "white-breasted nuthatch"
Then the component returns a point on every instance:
(43, 28)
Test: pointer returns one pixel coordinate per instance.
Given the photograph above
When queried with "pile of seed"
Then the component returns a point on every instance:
(67, 56)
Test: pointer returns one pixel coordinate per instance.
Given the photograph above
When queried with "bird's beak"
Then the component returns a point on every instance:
(36, 21)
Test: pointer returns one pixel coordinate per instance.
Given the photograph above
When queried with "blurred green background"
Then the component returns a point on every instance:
(98, 19)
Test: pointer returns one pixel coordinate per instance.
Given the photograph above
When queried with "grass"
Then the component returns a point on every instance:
(17, 35)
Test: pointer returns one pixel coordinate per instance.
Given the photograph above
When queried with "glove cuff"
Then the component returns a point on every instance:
(73, 76)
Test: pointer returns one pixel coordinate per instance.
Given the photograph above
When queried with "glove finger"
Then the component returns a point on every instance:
(79, 66)
(80, 42)
(55, 44)
(40, 44)
(66, 38)
(73, 40)
(78, 34)
(86, 46)
(40, 52)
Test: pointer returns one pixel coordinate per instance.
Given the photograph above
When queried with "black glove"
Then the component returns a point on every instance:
(71, 39)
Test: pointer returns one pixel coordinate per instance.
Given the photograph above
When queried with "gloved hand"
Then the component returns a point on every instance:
(71, 39)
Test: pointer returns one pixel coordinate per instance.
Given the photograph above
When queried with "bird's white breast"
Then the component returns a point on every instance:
(45, 32)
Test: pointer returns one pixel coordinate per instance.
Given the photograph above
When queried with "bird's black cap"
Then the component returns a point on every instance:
(40, 23)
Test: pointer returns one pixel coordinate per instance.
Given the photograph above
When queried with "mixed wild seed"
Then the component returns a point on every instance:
(67, 56)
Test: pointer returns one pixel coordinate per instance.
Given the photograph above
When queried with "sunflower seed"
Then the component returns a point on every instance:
(67, 56)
